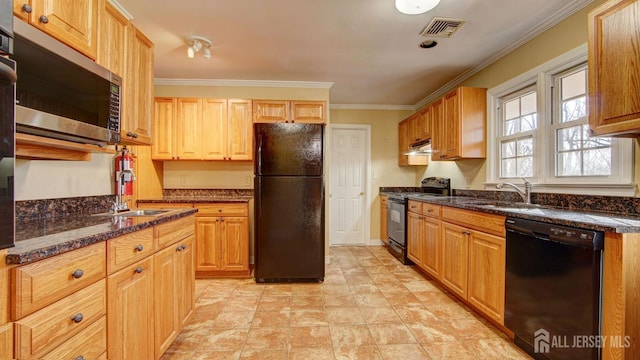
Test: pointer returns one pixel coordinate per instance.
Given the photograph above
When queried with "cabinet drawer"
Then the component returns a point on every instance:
(49, 327)
(431, 210)
(168, 233)
(39, 284)
(489, 223)
(415, 206)
(240, 209)
(127, 249)
(90, 343)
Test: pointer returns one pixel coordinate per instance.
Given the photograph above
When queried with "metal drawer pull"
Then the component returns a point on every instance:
(139, 247)
(77, 274)
(77, 318)
(139, 269)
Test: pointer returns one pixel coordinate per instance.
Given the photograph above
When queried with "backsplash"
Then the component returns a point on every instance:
(60, 207)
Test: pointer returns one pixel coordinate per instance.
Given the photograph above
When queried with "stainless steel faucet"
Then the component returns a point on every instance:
(524, 194)
(118, 205)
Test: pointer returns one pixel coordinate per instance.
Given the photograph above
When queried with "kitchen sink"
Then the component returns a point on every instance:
(137, 212)
(507, 206)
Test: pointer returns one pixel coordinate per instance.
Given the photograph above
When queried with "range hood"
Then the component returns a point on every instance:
(419, 148)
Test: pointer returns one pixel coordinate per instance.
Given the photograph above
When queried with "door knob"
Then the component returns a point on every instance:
(361, 193)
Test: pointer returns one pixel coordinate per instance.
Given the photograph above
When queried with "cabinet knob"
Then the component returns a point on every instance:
(429, 210)
(79, 358)
(129, 133)
(465, 232)
(135, 135)
(27, 8)
(179, 248)
(43, 19)
(77, 318)
(219, 210)
(138, 270)
(139, 247)
(77, 274)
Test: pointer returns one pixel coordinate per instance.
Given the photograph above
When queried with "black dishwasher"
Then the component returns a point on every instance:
(553, 289)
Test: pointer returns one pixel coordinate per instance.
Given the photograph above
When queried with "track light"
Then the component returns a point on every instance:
(197, 43)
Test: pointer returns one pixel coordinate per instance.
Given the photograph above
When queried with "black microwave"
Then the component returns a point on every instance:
(62, 94)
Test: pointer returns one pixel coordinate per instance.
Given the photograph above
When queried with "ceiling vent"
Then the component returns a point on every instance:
(442, 27)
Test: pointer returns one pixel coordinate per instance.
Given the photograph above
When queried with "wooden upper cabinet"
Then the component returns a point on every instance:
(460, 128)
(165, 112)
(74, 23)
(136, 126)
(265, 111)
(113, 42)
(188, 128)
(214, 129)
(614, 69)
(423, 124)
(403, 143)
(240, 130)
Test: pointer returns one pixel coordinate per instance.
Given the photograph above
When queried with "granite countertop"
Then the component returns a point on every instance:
(40, 239)
(601, 221)
(198, 199)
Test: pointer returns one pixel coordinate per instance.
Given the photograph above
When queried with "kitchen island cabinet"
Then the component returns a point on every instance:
(74, 25)
(614, 70)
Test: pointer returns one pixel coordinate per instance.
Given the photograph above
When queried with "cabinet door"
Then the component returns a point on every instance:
(6, 341)
(208, 243)
(265, 111)
(165, 110)
(432, 247)
(423, 124)
(240, 135)
(130, 312)
(140, 93)
(487, 256)
(455, 257)
(614, 35)
(74, 23)
(185, 278)
(312, 112)
(214, 129)
(20, 9)
(451, 130)
(414, 238)
(383, 220)
(188, 128)
(235, 243)
(166, 323)
(113, 41)
(437, 136)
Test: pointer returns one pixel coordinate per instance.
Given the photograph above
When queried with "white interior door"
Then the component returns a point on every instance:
(348, 173)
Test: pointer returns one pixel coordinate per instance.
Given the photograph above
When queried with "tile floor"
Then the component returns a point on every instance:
(369, 307)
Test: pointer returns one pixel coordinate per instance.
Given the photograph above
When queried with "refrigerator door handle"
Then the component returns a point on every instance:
(259, 156)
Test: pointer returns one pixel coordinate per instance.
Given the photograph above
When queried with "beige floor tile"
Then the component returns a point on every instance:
(495, 349)
(211, 355)
(277, 290)
(403, 300)
(274, 303)
(335, 289)
(311, 354)
(358, 279)
(384, 278)
(234, 319)
(271, 319)
(344, 316)
(338, 300)
(267, 338)
(350, 335)
(450, 311)
(415, 314)
(392, 288)
(265, 354)
(309, 337)
(385, 334)
(241, 303)
(403, 352)
(376, 315)
(376, 269)
(365, 352)
(376, 300)
(453, 350)
(313, 317)
(433, 331)
(312, 289)
(222, 340)
(364, 289)
(307, 302)
(335, 279)
(472, 328)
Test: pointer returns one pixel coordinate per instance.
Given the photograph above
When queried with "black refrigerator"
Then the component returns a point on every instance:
(289, 202)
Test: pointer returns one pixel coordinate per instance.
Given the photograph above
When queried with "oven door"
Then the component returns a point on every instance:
(396, 221)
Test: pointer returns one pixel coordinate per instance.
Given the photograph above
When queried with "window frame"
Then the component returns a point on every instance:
(542, 77)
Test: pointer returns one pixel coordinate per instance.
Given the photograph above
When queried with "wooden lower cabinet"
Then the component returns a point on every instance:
(415, 237)
(90, 343)
(424, 237)
(486, 287)
(432, 247)
(6, 341)
(455, 249)
(130, 312)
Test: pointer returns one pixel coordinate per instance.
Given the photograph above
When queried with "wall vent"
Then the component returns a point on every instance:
(442, 27)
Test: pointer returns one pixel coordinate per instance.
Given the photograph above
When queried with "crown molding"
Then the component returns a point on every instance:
(121, 9)
(550, 22)
(246, 83)
(371, 107)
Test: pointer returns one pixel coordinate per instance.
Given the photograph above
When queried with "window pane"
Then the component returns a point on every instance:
(569, 138)
(508, 168)
(511, 127)
(574, 109)
(592, 142)
(528, 103)
(525, 166)
(528, 122)
(525, 147)
(574, 84)
(569, 163)
(512, 109)
(597, 162)
(509, 149)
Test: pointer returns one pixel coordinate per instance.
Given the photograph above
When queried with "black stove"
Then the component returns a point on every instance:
(397, 213)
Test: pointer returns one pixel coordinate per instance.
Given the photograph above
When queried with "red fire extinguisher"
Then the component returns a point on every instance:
(124, 162)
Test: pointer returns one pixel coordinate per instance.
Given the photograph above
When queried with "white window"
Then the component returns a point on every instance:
(538, 129)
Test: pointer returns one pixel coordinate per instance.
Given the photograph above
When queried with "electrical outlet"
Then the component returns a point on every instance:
(183, 180)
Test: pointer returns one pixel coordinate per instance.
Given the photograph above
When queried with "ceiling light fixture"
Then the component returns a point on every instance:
(197, 43)
(415, 7)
